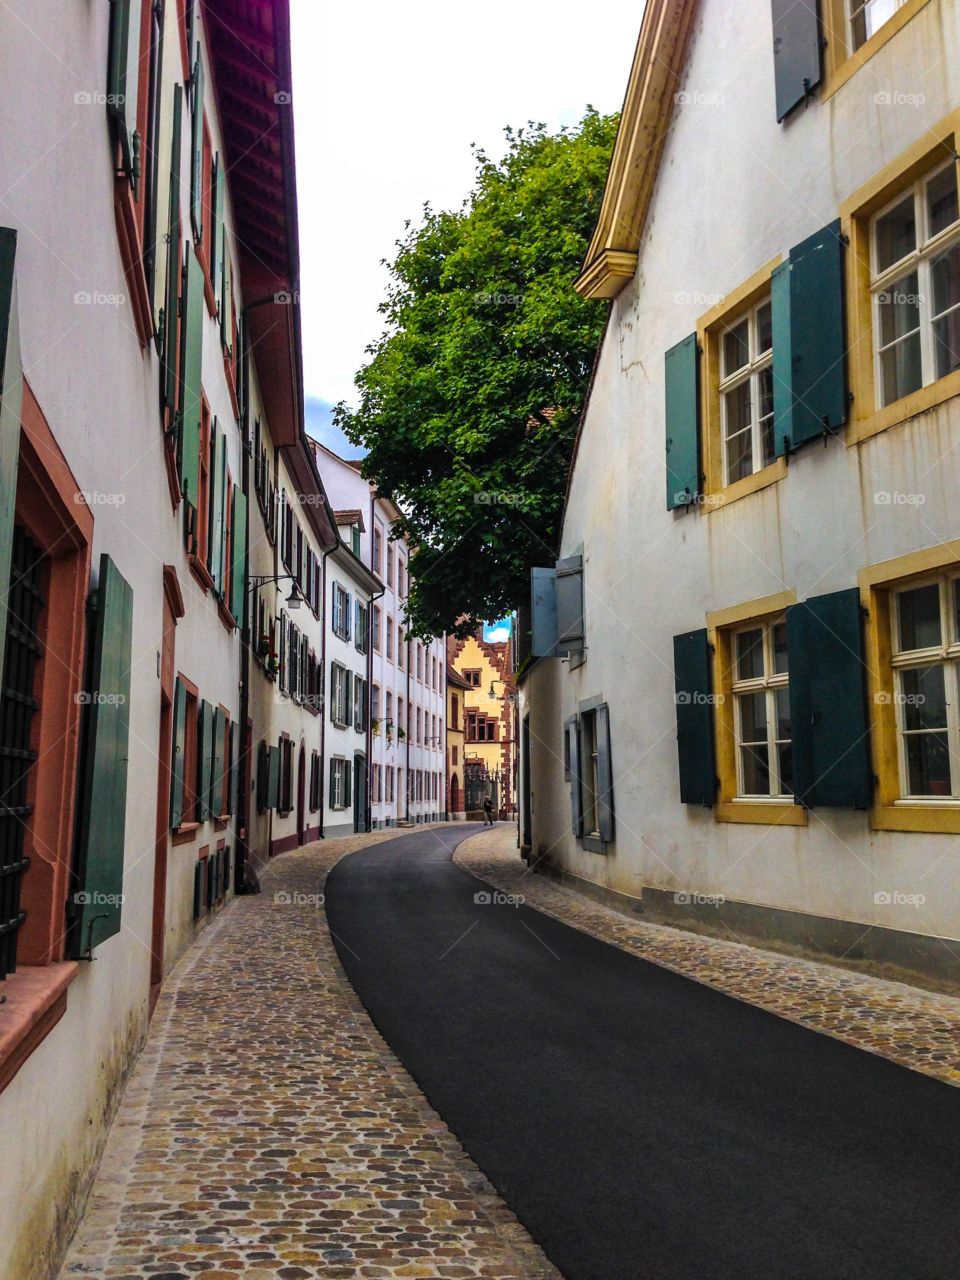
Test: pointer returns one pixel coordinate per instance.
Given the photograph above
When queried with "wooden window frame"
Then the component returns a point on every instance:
(201, 533)
(189, 824)
(841, 60)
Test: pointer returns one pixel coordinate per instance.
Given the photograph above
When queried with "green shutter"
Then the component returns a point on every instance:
(226, 308)
(238, 568)
(204, 759)
(682, 416)
(218, 179)
(123, 65)
(796, 52)
(263, 777)
(199, 888)
(576, 792)
(543, 613)
(178, 753)
(11, 399)
(216, 539)
(196, 152)
(604, 773)
(191, 367)
(171, 312)
(333, 774)
(828, 706)
(347, 784)
(219, 762)
(694, 699)
(193, 28)
(348, 701)
(101, 811)
(809, 352)
(273, 791)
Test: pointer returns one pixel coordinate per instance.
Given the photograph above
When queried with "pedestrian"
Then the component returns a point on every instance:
(488, 812)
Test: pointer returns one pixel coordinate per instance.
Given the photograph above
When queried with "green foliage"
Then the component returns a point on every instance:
(469, 404)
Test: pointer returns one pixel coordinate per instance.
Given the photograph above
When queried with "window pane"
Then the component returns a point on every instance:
(919, 616)
(945, 270)
(924, 698)
(785, 765)
(928, 764)
(749, 654)
(756, 771)
(900, 369)
(739, 456)
(895, 234)
(779, 647)
(899, 309)
(765, 380)
(737, 408)
(784, 723)
(753, 717)
(736, 348)
(764, 328)
(942, 199)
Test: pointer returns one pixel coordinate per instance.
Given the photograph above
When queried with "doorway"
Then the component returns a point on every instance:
(301, 795)
(359, 793)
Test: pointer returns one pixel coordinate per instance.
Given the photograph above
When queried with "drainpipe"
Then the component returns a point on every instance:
(324, 557)
(406, 727)
(378, 596)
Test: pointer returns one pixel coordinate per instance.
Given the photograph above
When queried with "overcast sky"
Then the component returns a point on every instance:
(387, 99)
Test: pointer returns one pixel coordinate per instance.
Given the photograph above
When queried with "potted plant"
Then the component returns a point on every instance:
(401, 733)
(375, 726)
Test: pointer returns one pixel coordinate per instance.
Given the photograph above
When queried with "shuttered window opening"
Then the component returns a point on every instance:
(340, 783)
(746, 393)
(693, 695)
(25, 604)
(285, 803)
(797, 52)
(682, 418)
(587, 759)
(762, 720)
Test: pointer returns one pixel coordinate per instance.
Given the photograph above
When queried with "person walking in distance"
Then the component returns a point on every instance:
(488, 812)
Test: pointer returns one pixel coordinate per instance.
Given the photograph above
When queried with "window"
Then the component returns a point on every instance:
(762, 710)
(339, 783)
(389, 566)
(286, 776)
(746, 393)
(591, 775)
(339, 695)
(361, 627)
(389, 708)
(355, 540)
(419, 662)
(376, 627)
(389, 638)
(190, 745)
(377, 548)
(472, 678)
(915, 285)
(434, 673)
(400, 647)
(314, 781)
(454, 712)
(390, 792)
(400, 579)
(375, 702)
(480, 727)
(868, 16)
(418, 720)
(359, 704)
(340, 613)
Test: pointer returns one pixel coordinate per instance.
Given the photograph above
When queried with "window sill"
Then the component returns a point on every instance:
(200, 572)
(226, 617)
(848, 66)
(185, 832)
(911, 406)
(941, 818)
(772, 813)
(716, 499)
(36, 1001)
(593, 844)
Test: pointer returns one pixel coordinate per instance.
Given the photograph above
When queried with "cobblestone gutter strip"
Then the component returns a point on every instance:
(268, 1132)
(918, 1029)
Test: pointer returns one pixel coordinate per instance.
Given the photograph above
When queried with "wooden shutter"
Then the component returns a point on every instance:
(178, 753)
(171, 307)
(11, 400)
(576, 786)
(569, 588)
(263, 777)
(196, 151)
(828, 704)
(219, 182)
(123, 66)
(283, 652)
(682, 417)
(102, 806)
(238, 569)
(273, 792)
(695, 733)
(204, 759)
(226, 306)
(543, 613)
(199, 889)
(191, 372)
(219, 760)
(347, 768)
(809, 350)
(332, 787)
(216, 540)
(796, 52)
(604, 773)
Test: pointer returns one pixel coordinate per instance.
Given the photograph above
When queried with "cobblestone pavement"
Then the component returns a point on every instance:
(916, 1028)
(268, 1133)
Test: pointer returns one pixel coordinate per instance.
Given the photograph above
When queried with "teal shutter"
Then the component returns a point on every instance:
(570, 605)
(576, 793)
(348, 701)
(604, 773)
(101, 811)
(178, 753)
(193, 28)
(11, 400)
(238, 568)
(809, 351)
(171, 310)
(219, 762)
(216, 540)
(273, 791)
(191, 367)
(682, 416)
(828, 705)
(204, 759)
(123, 65)
(226, 307)
(347, 784)
(543, 613)
(796, 52)
(196, 152)
(263, 777)
(218, 180)
(199, 888)
(694, 699)
(333, 775)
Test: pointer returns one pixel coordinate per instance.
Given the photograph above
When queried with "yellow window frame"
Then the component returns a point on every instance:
(877, 586)
(867, 419)
(722, 624)
(841, 60)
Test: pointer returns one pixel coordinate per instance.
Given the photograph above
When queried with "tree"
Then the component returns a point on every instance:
(470, 401)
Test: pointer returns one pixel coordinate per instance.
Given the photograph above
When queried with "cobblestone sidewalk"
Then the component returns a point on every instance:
(916, 1028)
(268, 1133)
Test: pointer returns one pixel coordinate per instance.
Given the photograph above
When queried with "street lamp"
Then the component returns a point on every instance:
(294, 599)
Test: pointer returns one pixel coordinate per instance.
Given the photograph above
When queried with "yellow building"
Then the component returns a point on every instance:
(457, 689)
(489, 721)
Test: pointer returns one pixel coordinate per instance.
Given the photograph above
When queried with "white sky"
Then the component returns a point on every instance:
(388, 98)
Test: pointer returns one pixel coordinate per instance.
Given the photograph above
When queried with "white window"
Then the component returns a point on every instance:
(339, 783)
(746, 393)
(762, 711)
(926, 663)
(359, 704)
(340, 613)
(915, 281)
(868, 16)
(589, 770)
(339, 694)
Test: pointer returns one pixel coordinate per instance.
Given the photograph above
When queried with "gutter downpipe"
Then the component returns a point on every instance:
(379, 596)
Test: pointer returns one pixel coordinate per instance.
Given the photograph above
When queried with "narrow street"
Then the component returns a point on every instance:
(637, 1122)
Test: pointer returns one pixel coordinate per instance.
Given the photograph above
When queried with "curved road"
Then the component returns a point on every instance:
(638, 1123)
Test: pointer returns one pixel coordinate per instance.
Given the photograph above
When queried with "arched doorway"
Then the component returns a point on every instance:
(454, 796)
(301, 794)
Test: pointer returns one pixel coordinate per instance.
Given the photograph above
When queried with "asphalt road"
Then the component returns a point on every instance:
(638, 1123)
